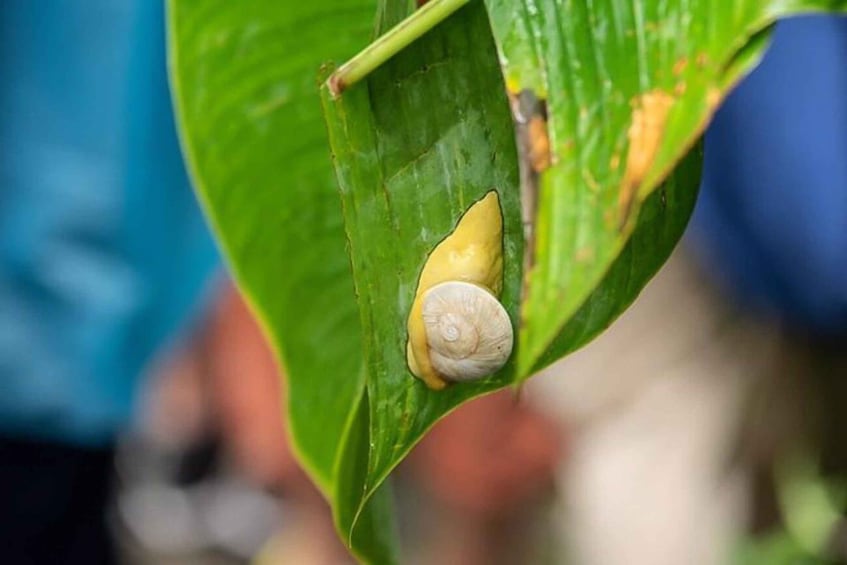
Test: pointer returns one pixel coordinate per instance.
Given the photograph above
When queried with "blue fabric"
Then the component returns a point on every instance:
(103, 251)
(772, 213)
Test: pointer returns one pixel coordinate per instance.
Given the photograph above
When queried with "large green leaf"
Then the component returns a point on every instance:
(593, 62)
(427, 135)
(246, 94)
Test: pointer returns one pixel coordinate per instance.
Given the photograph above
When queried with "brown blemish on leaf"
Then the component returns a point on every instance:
(649, 116)
(530, 114)
(679, 89)
(702, 60)
(680, 66)
(336, 85)
(539, 144)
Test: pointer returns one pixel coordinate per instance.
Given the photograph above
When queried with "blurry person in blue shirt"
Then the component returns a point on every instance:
(103, 257)
(771, 217)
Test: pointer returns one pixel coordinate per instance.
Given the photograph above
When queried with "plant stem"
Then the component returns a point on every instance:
(391, 43)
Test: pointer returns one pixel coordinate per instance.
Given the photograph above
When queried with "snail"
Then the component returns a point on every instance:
(458, 330)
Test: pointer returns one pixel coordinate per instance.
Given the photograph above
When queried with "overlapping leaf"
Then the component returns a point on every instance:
(598, 64)
(426, 136)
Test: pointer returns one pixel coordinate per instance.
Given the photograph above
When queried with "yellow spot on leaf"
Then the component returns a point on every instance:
(512, 86)
(649, 116)
(615, 162)
(713, 98)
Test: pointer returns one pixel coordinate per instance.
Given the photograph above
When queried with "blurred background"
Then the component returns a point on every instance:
(140, 407)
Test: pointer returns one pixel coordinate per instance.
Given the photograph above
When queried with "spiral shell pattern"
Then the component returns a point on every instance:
(469, 333)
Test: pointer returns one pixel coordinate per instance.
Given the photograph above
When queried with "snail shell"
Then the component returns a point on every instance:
(472, 257)
(469, 333)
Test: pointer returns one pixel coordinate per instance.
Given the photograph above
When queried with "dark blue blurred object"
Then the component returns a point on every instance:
(103, 251)
(772, 214)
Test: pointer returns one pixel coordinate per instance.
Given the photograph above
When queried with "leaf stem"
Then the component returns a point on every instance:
(391, 43)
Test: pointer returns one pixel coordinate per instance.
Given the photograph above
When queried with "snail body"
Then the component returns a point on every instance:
(458, 330)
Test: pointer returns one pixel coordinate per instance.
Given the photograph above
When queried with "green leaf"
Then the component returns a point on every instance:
(367, 525)
(246, 95)
(422, 138)
(426, 136)
(661, 222)
(593, 62)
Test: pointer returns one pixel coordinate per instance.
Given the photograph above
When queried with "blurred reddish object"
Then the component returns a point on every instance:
(484, 465)
(489, 456)
(248, 393)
